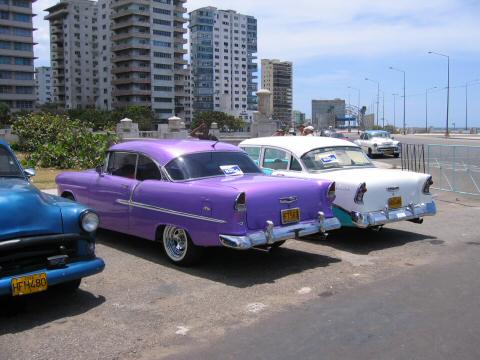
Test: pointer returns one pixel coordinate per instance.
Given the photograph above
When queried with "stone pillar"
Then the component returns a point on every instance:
(214, 130)
(126, 128)
(264, 107)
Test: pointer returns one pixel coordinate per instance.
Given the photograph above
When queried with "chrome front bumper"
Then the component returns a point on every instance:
(382, 217)
(273, 234)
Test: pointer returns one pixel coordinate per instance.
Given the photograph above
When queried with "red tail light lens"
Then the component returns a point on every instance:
(362, 189)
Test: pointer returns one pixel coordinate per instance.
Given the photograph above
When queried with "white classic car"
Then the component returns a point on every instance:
(366, 196)
(378, 142)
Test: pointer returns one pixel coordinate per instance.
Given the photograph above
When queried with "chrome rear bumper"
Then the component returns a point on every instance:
(382, 217)
(273, 234)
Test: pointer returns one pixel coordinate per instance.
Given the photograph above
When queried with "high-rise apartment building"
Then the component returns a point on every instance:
(223, 44)
(115, 53)
(74, 52)
(43, 85)
(277, 77)
(17, 85)
(148, 55)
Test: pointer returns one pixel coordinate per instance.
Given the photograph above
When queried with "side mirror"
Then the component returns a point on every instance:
(29, 173)
(99, 170)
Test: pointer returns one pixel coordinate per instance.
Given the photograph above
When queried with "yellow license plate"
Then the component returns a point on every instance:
(395, 202)
(290, 216)
(29, 284)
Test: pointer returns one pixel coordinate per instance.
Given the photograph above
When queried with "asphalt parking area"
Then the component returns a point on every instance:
(141, 307)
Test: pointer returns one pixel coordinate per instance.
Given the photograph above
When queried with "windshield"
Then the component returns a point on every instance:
(335, 157)
(8, 165)
(380, 134)
(207, 164)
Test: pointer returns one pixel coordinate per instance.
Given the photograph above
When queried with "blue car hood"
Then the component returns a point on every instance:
(26, 211)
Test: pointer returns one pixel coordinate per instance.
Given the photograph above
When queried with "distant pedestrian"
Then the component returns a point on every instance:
(279, 132)
(202, 132)
(308, 131)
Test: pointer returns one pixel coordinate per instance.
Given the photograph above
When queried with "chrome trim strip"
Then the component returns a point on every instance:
(168, 211)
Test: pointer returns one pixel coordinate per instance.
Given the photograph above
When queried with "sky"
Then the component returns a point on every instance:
(335, 45)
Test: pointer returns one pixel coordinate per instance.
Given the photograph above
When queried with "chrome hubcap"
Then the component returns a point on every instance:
(175, 242)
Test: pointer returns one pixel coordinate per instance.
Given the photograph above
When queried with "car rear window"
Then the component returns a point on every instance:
(208, 164)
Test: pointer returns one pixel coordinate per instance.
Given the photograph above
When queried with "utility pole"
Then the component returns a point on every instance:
(426, 107)
(404, 98)
(383, 109)
(448, 87)
(394, 112)
(378, 95)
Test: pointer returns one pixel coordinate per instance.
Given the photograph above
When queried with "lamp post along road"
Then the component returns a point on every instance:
(378, 95)
(394, 112)
(448, 86)
(404, 97)
(426, 107)
(467, 84)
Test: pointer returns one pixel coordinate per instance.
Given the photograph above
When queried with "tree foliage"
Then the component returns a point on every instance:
(60, 142)
(223, 120)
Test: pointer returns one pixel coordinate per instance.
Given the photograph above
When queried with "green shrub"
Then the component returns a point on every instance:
(59, 142)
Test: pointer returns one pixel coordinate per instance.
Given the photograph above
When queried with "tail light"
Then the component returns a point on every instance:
(362, 189)
(331, 192)
(241, 202)
(428, 183)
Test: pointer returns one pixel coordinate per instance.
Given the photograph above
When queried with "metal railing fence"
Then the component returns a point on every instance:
(454, 168)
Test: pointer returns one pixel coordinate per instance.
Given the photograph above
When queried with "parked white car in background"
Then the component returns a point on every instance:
(378, 142)
(366, 196)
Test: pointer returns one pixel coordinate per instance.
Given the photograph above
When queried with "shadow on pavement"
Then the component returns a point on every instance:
(234, 268)
(364, 241)
(24, 313)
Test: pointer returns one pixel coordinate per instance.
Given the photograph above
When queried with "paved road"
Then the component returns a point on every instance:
(141, 307)
(430, 312)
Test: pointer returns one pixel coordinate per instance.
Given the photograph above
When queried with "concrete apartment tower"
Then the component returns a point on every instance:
(277, 77)
(223, 44)
(43, 85)
(148, 55)
(17, 85)
(74, 52)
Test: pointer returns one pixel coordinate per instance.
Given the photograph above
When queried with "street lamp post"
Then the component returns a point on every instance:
(426, 107)
(448, 86)
(394, 112)
(378, 95)
(404, 97)
(383, 109)
(358, 108)
(466, 101)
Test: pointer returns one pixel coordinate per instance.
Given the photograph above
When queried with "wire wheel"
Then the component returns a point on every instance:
(175, 243)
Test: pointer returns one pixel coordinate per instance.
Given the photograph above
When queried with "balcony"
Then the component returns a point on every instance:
(122, 104)
(129, 23)
(134, 80)
(130, 57)
(129, 34)
(128, 69)
(131, 92)
(128, 12)
(130, 46)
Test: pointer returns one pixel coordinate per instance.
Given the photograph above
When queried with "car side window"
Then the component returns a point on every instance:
(122, 164)
(253, 153)
(275, 159)
(295, 165)
(147, 169)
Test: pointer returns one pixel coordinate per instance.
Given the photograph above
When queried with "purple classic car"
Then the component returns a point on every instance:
(189, 194)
